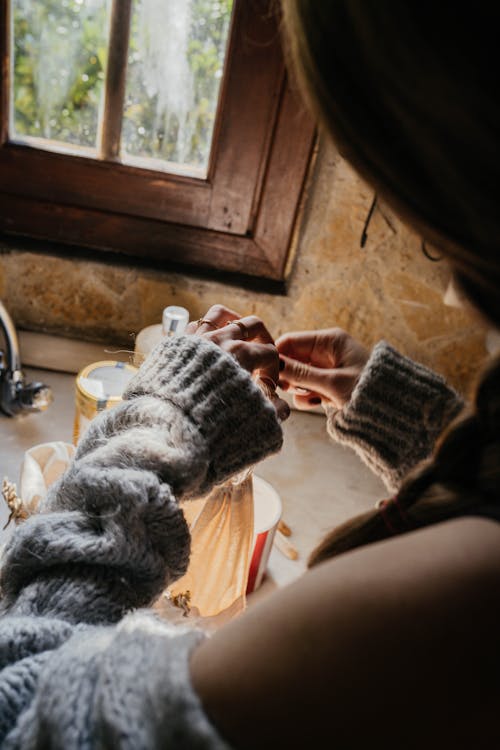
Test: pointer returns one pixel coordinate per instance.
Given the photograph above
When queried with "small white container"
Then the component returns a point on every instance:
(174, 323)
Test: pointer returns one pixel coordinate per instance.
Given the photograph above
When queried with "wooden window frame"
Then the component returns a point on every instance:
(239, 219)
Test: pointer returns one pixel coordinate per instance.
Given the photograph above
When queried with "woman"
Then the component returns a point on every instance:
(392, 644)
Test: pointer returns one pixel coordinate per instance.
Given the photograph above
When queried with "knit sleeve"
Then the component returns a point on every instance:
(110, 535)
(395, 414)
(126, 687)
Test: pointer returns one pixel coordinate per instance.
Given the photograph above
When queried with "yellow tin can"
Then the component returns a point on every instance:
(99, 386)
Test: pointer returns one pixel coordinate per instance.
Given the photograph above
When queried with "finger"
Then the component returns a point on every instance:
(321, 348)
(298, 374)
(305, 393)
(256, 358)
(254, 328)
(310, 401)
(281, 406)
(286, 386)
(202, 325)
(216, 317)
(249, 328)
(220, 314)
(297, 344)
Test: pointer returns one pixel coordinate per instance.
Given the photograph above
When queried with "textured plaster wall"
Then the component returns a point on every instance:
(388, 289)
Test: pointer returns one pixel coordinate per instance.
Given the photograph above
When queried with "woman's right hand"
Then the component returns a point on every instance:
(320, 366)
(249, 342)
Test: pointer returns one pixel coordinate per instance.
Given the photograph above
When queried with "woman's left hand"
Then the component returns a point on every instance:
(249, 342)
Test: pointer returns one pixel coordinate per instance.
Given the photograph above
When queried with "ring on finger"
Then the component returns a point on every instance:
(241, 326)
(202, 321)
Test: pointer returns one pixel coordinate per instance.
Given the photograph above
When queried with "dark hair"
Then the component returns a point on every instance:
(409, 93)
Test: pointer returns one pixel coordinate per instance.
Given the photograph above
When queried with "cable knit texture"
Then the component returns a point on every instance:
(395, 415)
(108, 538)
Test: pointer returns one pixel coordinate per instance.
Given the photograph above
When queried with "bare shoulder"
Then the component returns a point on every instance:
(461, 551)
(402, 633)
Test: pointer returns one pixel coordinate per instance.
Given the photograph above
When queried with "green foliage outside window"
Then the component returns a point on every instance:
(60, 51)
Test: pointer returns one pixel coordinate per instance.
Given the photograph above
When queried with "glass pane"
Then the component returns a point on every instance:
(59, 49)
(176, 59)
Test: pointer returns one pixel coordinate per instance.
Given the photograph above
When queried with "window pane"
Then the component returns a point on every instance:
(176, 58)
(59, 50)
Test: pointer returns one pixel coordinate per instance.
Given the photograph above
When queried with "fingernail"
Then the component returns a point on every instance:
(282, 364)
(314, 401)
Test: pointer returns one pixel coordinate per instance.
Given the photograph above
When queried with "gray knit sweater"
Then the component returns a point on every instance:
(108, 539)
(83, 664)
(395, 415)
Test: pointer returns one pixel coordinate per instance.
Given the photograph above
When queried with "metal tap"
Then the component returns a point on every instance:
(16, 395)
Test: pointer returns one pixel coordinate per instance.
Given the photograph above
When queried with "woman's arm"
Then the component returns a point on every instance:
(395, 414)
(110, 535)
(386, 407)
(394, 645)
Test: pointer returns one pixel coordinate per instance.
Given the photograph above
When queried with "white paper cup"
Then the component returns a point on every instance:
(267, 513)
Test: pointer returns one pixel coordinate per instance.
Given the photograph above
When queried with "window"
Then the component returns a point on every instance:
(204, 170)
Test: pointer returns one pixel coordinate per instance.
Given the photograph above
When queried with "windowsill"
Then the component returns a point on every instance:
(60, 354)
(142, 162)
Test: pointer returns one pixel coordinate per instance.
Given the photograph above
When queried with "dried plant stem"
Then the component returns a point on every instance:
(14, 502)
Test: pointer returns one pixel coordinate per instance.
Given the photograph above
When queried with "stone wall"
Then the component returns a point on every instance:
(387, 289)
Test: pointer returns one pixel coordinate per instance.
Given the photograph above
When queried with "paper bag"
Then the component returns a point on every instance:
(41, 466)
(221, 526)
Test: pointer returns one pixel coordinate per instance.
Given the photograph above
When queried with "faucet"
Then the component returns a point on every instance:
(15, 394)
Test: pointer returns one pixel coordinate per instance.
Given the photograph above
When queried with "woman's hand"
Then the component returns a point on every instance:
(249, 342)
(320, 366)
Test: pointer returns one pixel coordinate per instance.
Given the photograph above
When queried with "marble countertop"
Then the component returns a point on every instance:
(320, 483)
